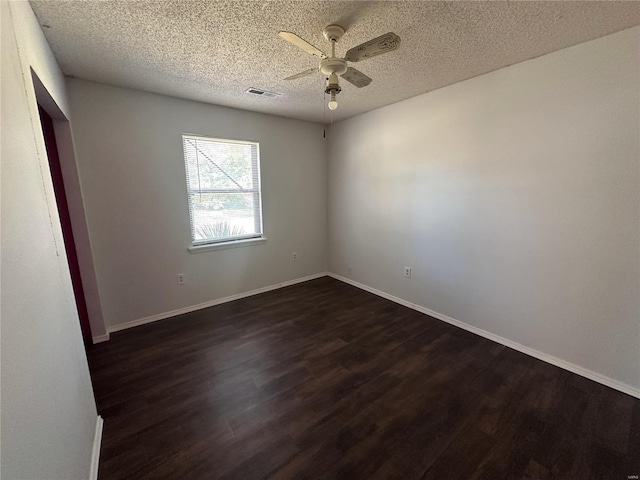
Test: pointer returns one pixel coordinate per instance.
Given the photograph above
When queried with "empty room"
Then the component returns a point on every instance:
(320, 240)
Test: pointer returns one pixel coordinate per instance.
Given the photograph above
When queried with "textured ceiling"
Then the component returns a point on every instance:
(212, 51)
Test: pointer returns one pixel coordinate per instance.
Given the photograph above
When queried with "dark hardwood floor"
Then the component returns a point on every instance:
(322, 380)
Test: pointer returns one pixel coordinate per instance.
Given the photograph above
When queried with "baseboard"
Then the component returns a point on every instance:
(95, 454)
(100, 338)
(212, 303)
(583, 372)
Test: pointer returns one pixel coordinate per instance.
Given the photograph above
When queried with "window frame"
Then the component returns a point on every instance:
(227, 242)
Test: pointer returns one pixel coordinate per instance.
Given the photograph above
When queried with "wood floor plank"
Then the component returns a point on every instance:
(322, 380)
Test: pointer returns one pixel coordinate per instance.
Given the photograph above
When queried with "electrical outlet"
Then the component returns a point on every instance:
(181, 278)
(407, 272)
(349, 271)
(294, 256)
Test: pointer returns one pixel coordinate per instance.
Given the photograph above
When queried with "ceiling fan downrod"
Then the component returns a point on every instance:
(333, 66)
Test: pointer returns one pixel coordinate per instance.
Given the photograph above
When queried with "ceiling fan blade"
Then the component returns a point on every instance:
(383, 44)
(302, 44)
(356, 77)
(303, 74)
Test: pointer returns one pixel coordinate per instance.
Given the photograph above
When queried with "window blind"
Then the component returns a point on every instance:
(223, 188)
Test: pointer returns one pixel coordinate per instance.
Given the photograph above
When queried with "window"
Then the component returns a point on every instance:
(223, 186)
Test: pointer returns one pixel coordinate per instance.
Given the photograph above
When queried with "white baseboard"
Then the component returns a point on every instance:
(591, 375)
(100, 338)
(95, 454)
(193, 308)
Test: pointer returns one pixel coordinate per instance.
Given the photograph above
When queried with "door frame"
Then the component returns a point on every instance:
(50, 143)
(73, 194)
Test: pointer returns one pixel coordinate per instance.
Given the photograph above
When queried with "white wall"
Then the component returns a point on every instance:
(514, 197)
(130, 161)
(48, 411)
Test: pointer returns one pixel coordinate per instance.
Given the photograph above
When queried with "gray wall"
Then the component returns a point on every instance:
(131, 167)
(48, 411)
(514, 198)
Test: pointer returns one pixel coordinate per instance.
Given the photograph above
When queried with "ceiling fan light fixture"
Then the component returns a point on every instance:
(332, 88)
(333, 103)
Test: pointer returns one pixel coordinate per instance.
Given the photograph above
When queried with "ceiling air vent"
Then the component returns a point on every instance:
(263, 93)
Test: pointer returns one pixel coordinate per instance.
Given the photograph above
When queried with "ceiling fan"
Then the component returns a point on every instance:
(332, 66)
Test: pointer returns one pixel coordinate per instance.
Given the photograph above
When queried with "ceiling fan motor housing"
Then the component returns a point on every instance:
(333, 65)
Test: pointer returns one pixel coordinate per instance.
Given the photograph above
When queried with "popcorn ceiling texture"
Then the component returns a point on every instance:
(213, 51)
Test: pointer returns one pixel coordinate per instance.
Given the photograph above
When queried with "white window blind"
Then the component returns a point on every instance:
(223, 186)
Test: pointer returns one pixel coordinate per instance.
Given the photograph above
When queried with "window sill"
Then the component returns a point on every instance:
(224, 245)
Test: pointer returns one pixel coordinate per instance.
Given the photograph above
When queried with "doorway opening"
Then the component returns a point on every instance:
(65, 220)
